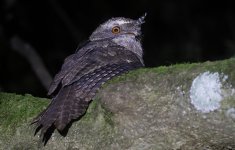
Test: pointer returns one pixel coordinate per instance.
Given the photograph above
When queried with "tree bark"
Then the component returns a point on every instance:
(185, 106)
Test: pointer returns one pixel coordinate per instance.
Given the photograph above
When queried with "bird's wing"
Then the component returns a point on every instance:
(79, 88)
(79, 64)
(71, 66)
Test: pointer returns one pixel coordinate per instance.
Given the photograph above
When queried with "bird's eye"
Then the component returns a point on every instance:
(116, 30)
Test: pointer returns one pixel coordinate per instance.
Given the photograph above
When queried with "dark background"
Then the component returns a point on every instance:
(174, 32)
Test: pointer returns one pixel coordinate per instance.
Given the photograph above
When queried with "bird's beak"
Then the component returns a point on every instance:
(141, 20)
(137, 31)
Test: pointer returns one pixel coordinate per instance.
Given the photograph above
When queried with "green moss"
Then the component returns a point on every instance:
(132, 74)
(223, 66)
(158, 70)
(98, 127)
(96, 108)
(108, 115)
(90, 115)
(17, 109)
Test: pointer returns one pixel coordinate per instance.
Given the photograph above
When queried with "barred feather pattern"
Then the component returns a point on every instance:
(103, 57)
(72, 100)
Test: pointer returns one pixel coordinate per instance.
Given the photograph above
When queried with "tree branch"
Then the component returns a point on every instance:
(33, 58)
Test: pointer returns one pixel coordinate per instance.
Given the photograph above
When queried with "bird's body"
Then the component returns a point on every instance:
(113, 49)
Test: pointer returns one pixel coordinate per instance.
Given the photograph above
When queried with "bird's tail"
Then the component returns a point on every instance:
(62, 109)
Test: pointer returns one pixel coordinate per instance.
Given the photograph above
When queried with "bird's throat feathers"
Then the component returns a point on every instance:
(130, 43)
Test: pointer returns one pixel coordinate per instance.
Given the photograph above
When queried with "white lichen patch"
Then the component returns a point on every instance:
(206, 93)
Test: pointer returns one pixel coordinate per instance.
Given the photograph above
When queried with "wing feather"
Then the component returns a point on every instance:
(80, 82)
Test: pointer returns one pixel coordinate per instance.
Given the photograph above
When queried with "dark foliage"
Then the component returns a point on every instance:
(174, 32)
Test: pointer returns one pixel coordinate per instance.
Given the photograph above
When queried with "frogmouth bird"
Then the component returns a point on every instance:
(113, 48)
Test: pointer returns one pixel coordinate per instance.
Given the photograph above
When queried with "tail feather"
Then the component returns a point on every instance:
(58, 112)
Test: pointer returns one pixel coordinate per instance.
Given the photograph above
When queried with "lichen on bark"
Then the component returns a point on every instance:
(149, 108)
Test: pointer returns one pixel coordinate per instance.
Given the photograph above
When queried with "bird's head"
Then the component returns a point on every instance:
(118, 27)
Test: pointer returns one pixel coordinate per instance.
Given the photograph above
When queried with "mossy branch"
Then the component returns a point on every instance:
(152, 108)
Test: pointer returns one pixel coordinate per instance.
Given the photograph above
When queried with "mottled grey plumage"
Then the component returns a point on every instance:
(113, 49)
